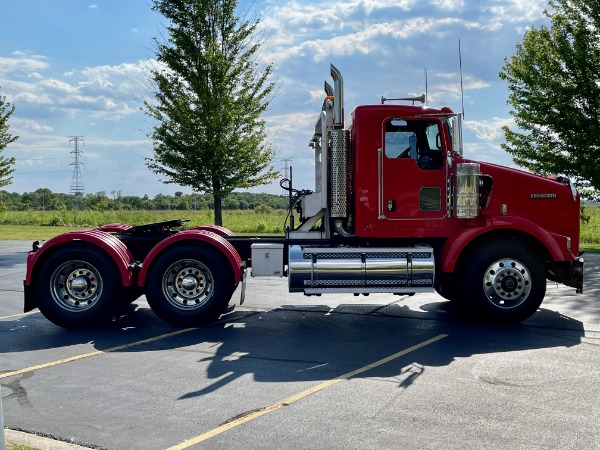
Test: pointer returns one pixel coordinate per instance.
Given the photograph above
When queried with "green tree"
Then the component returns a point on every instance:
(6, 164)
(554, 83)
(211, 91)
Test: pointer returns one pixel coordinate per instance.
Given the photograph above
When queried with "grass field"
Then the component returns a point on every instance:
(27, 225)
(42, 225)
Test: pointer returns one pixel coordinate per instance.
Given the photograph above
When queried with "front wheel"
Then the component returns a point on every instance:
(503, 282)
(78, 287)
(189, 285)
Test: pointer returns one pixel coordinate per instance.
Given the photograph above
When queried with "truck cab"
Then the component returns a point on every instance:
(402, 157)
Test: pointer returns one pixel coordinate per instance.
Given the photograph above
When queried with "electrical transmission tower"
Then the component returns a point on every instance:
(76, 180)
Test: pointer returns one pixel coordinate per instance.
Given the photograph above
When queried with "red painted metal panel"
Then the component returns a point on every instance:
(221, 231)
(194, 235)
(116, 249)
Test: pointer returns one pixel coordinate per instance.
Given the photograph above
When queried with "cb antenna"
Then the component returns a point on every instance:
(462, 92)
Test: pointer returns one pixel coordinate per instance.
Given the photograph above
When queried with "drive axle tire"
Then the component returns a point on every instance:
(189, 285)
(503, 282)
(78, 287)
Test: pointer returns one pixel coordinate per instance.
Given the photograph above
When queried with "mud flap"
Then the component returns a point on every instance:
(243, 290)
(30, 303)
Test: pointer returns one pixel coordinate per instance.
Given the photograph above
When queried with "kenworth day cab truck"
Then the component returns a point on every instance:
(396, 209)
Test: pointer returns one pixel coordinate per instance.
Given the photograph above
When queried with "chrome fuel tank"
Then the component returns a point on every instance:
(360, 270)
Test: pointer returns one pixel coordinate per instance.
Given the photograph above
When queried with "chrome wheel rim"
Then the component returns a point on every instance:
(76, 285)
(187, 284)
(507, 283)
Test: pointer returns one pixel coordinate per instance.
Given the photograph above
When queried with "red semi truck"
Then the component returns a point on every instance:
(396, 208)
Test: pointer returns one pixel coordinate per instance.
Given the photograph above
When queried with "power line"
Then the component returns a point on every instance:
(76, 180)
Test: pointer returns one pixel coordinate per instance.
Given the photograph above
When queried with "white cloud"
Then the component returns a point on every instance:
(124, 78)
(31, 97)
(364, 42)
(22, 63)
(105, 92)
(23, 125)
(514, 12)
(57, 86)
(358, 27)
(291, 122)
(449, 5)
(489, 130)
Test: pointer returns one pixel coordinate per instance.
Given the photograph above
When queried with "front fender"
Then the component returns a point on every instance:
(555, 244)
(194, 235)
(456, 244)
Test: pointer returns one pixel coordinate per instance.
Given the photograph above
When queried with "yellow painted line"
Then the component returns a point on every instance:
(19, 315)
(98, 352)
(261, 412)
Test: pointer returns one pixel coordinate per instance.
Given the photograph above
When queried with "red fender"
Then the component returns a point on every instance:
(115, 227)
(194, 235)
(555, 244)
(221, 231)
(454, 245)
(116, 249)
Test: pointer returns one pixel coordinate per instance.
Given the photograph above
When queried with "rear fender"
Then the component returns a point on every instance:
(116, 249)
(195, 235)
(221, 231)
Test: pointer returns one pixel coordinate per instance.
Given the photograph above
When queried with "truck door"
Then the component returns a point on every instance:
(412, 170)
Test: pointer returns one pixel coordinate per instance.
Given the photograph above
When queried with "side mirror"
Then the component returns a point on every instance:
(457, 145)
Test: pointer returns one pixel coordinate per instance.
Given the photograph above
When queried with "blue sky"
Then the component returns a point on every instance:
(76, 68)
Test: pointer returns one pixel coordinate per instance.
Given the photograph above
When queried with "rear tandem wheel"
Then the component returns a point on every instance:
(189, 285)
(78, 287)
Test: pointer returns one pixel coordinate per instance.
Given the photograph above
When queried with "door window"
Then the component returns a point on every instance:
(415, 139)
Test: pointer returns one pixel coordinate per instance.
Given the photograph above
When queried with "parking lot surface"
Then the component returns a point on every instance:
(288, 371)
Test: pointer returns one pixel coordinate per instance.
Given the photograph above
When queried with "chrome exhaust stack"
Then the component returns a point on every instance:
(328, 90)
(338, 88)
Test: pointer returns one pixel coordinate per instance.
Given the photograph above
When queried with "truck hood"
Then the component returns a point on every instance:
(549, 202)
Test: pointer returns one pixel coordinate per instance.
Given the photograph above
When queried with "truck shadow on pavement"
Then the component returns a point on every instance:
(298, 344)
(13, 259)
(307, 343)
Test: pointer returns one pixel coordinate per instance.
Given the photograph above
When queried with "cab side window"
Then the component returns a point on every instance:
(417, 139)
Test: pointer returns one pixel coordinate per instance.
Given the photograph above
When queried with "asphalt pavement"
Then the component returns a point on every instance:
(287, 371)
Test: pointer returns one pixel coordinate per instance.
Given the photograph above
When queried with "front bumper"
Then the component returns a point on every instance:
(569, 273)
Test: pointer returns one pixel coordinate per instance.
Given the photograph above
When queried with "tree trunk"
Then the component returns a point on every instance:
(218, 212)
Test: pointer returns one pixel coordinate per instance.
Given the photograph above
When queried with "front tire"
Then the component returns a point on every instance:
(189, 285)
(503, 282)
(78, 287)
